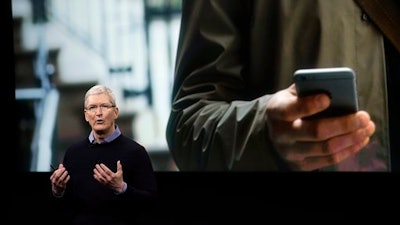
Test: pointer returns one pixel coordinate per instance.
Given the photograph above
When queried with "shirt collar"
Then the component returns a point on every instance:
(110, 138)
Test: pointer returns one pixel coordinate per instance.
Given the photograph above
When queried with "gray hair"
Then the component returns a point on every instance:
(100, 89)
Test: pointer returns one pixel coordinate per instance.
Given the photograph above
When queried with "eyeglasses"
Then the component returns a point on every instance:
(93, 108)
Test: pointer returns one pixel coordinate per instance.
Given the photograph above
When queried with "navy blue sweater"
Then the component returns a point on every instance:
(92, 203)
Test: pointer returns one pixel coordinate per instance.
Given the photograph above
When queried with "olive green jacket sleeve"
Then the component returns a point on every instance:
(213, 124)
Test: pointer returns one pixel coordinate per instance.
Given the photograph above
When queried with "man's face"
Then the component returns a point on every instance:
(101, 114)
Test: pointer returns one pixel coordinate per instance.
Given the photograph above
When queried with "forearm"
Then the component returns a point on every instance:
(214, 123)
(222, 136)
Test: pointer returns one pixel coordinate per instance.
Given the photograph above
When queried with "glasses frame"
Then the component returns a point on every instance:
(94, 108)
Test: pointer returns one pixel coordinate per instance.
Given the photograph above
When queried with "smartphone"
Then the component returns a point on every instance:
(339, 83)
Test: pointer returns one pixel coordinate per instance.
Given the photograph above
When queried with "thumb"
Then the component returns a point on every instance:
(119, 165)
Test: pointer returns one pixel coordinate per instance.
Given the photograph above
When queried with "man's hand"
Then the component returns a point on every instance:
(312, 144)
(59, 179)
(108, 178)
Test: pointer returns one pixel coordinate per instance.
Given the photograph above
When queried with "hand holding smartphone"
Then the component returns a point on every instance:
(339, 83)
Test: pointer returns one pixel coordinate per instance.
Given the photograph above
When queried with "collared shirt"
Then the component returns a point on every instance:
(110, 138)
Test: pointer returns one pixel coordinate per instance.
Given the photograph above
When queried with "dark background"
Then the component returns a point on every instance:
(239, 198)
